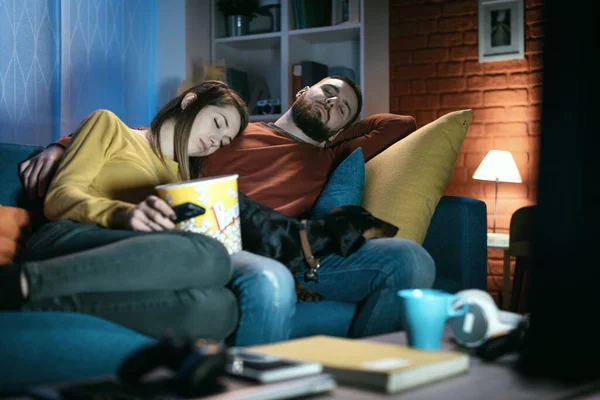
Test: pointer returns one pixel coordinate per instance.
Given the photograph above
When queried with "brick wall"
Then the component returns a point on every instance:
(434, 69)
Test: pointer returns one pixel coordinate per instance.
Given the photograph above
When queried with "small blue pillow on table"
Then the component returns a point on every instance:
(344, 187)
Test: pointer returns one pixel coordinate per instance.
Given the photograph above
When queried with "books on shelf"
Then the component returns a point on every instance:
(341, 70)
(353, 11)
(373, 365)
(345, 11)
(312, 13)
(316, 13)
(238, 81)
(306, 73)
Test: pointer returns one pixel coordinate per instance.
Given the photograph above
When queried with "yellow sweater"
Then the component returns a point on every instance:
(106, 169)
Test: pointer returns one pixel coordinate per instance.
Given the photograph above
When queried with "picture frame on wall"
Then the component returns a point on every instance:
(501, 30)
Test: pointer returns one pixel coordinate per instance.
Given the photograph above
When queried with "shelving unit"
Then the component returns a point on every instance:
(252, 42)
(328, 34)
(264, 117)
(362, 46)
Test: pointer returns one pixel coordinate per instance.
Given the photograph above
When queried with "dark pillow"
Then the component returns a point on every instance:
(344, 186)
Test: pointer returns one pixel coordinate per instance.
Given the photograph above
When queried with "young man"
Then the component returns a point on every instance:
(285, 165)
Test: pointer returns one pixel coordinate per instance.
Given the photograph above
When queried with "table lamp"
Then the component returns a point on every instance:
(498, 166)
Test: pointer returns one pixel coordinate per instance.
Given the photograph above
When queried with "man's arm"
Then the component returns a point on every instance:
(69, 195)
(374, 134)
(37, 172)
(63, 141)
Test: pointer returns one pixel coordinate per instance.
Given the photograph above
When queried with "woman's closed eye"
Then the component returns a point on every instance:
(221, 121)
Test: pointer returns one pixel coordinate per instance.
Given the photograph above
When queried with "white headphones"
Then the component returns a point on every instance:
(483, 319)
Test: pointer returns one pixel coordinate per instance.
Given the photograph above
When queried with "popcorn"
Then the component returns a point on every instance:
(219, 196)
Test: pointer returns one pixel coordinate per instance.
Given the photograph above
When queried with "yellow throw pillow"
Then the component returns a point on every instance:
(404, 183)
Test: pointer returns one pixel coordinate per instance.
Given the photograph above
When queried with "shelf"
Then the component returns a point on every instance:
(260, 41)
(358, 45)
(328, 34)
(265, 117)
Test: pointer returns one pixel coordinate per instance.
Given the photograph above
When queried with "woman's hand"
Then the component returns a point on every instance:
(152, 214)
(37, 172)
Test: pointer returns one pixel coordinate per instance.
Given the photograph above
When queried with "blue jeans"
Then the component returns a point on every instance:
(267, 299)
(370, 278)
(157, 283)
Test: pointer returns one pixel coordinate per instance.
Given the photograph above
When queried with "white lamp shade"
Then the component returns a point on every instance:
(498, 165)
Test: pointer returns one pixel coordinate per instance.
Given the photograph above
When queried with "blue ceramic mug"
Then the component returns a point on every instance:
(425, 313)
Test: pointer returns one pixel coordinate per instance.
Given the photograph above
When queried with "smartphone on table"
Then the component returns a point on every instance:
(267, 368)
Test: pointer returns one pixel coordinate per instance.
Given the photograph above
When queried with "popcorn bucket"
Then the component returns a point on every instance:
(219, 196)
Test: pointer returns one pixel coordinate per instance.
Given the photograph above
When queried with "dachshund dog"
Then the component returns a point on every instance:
(342, 231)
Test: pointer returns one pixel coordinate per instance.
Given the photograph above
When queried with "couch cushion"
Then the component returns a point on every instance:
(404, 183)
(46, 347)
(14, 230)
(344, 186)
(11, 155)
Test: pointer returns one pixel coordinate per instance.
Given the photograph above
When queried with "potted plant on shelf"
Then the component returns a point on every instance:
(238, 14)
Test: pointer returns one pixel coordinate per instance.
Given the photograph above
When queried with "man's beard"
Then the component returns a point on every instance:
(309, 120)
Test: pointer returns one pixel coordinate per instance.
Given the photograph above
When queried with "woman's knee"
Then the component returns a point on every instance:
(264, 281)
(200, 255)
(408, 262)
(210, 314)
(273, 289)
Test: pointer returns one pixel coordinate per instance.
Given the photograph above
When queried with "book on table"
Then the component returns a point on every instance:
(378, 366)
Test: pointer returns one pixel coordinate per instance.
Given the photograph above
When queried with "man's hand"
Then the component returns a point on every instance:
(152, 214)
(37, 172)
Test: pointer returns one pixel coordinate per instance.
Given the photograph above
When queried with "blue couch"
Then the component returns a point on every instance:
(42, 347)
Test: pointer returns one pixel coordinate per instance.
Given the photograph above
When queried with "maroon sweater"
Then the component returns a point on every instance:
(288, 175)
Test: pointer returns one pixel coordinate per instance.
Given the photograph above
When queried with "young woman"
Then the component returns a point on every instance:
(110, 250)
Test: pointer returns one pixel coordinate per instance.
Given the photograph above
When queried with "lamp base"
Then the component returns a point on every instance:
(498, 240)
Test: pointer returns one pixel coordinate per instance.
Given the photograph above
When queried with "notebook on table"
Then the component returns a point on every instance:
(378, 366)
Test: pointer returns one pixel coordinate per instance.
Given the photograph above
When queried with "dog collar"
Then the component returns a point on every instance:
(311, 260)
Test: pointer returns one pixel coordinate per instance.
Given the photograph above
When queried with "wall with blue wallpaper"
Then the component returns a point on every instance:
(29, 70)
(62, 59)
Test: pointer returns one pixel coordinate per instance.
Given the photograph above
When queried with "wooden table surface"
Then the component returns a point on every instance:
(497, 380)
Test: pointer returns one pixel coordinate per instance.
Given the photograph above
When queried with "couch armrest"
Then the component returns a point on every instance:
(457, 241)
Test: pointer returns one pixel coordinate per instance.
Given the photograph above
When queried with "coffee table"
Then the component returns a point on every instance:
(496, 380)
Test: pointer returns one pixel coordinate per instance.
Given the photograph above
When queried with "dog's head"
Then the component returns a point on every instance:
(351, 226)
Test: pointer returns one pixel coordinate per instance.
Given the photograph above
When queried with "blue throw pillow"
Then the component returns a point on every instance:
(344, 187)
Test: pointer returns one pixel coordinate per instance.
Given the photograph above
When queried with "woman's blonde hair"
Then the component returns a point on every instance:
(209, 93)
